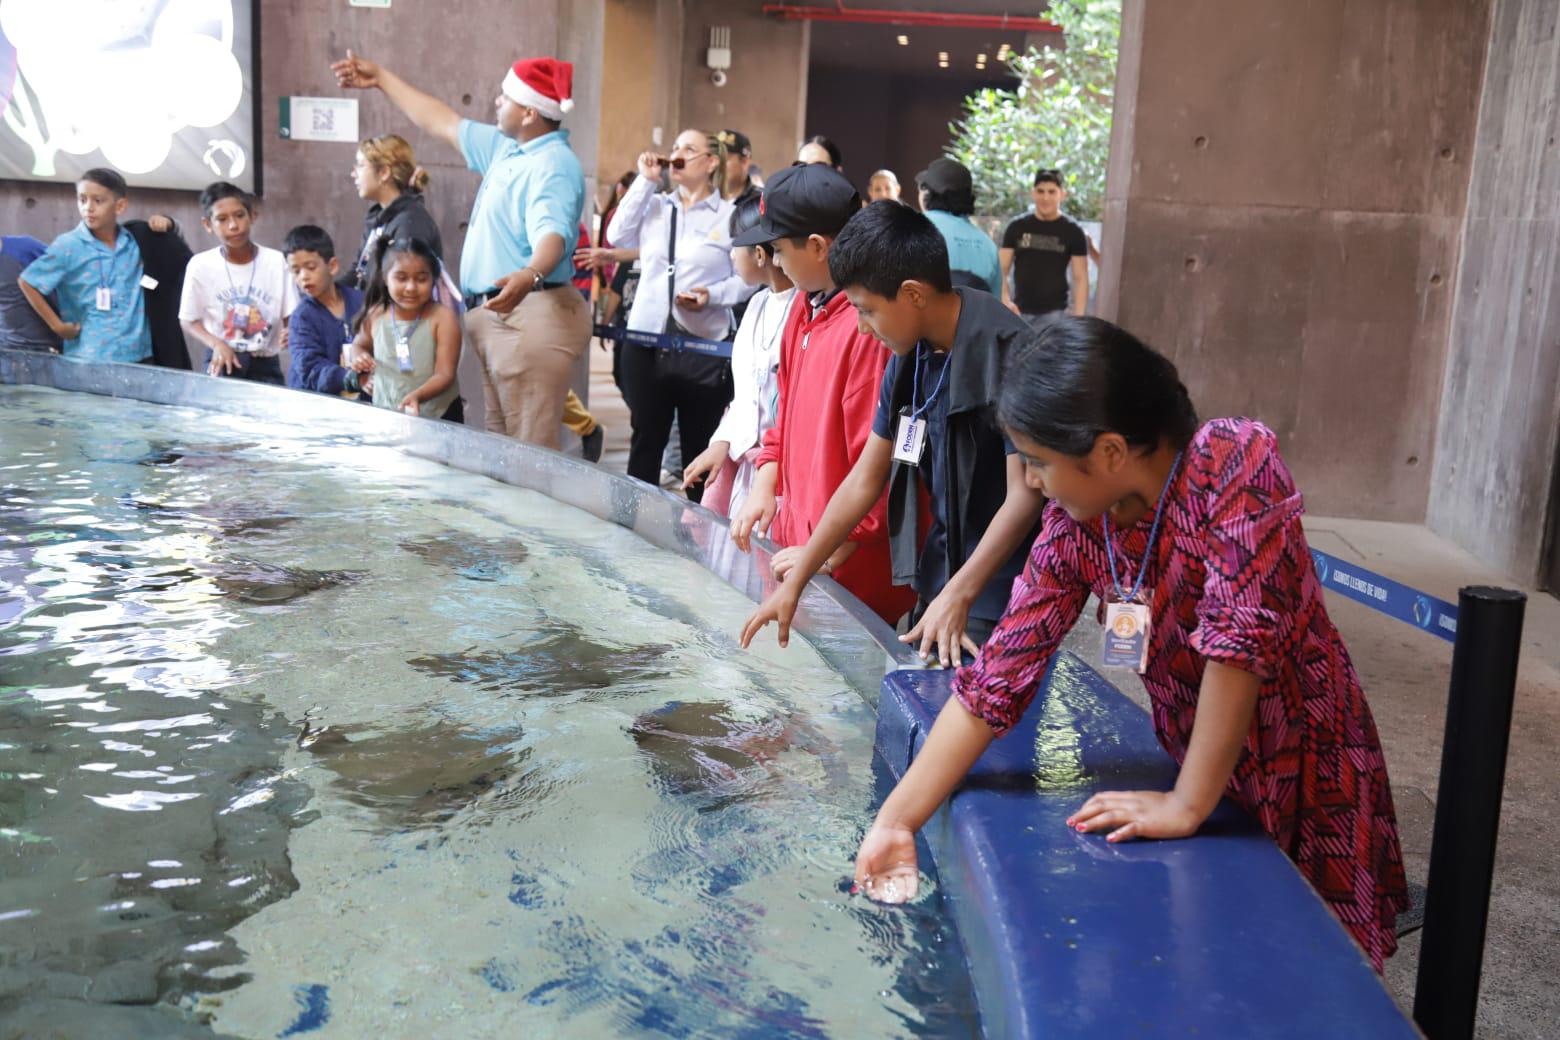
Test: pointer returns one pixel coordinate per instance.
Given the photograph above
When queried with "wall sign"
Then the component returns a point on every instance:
(320, 119)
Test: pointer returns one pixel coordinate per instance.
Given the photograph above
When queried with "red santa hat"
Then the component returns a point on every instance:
(545, 84)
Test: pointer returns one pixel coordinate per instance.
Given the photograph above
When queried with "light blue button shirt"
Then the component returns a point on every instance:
(529, 190)
(969, 248)
(75, 266)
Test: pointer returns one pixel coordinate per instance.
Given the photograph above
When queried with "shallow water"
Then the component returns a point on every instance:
(299, 736)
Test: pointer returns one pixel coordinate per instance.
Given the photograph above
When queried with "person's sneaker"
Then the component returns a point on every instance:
(592, 442)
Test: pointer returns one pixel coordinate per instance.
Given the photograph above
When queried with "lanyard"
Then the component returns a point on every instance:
(106, 280)
(915, 385)
(249, 293)
(1153, 537)
(411, 329)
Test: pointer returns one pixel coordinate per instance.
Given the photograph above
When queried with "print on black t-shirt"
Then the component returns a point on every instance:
(1042, 250)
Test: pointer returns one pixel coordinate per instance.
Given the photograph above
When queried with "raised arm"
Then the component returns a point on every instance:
(426, 112)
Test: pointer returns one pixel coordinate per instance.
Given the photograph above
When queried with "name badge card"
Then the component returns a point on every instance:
(910, 440)
(403, 353)
(1126, 636)
(105, 298)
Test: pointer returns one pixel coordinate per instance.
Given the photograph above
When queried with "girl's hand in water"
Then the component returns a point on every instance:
(409, 404)
(886, 869)
(1137, 814)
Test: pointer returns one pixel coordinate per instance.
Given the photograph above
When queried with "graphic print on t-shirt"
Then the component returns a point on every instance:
(244, 327)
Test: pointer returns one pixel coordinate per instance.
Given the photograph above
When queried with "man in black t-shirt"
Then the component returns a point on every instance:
(1039, 248)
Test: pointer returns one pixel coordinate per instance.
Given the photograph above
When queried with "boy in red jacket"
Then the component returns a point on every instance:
(830, 372)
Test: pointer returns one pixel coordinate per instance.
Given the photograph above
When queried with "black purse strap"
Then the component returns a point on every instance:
(671, 266)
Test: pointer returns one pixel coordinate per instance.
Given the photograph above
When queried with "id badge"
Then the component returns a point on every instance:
(347, 351)
(105, 298)
(1126, 636)
(403, 354)
(910, 440)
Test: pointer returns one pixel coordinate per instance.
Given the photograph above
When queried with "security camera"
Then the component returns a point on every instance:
(718, 77)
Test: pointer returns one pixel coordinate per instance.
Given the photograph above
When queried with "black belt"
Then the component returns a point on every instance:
(477, 299)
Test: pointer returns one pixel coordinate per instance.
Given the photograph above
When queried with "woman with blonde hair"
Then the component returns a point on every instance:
(386, 173)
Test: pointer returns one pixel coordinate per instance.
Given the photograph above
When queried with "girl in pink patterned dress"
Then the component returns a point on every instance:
(1253, 693)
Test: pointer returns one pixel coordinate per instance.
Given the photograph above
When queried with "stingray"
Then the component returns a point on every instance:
(696, 746)
(192, 456)
(232, 518)
(557, 662)
(268, 584)
(471, 556)
(417, 776)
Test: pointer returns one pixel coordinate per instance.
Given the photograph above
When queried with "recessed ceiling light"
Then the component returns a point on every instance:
(942, 55)
(981, 58)
(904, 41)
(942, 64)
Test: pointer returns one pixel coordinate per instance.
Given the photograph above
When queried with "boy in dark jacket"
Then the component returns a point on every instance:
(933, 429)
(322, 324)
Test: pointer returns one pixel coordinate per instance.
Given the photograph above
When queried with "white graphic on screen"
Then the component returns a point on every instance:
(122, 77)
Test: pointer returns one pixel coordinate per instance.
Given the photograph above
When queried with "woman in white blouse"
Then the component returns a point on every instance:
(727, 464)
(687, 286)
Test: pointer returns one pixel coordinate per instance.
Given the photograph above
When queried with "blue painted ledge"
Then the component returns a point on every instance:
(1217, 936)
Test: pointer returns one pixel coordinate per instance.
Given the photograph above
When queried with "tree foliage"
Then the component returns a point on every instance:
(1057, 116)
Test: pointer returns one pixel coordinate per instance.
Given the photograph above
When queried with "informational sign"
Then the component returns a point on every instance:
(161, 92)
(320, 119)
(369, 3)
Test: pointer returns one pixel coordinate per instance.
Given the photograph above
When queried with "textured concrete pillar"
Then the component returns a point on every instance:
(1283, 214)
(1496, 451)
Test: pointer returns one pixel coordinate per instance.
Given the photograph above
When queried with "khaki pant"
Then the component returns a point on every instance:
(575, 417)
(528, 358)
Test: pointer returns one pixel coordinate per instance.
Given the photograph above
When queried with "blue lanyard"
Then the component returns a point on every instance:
(915, 385)
(411, 329)
(1153, 537)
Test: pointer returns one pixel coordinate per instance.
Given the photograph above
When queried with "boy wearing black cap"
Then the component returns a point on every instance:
(830, 371)
(934, 431)
(947, 196)
(1041, 248)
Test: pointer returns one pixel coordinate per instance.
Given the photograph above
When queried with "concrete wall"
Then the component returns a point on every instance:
(765, 95)
(307, 182)
(898, 122)
(1283, 214)
(654, 75)
(1500, 413)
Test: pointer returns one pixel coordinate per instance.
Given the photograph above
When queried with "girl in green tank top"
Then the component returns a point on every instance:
(407, 343)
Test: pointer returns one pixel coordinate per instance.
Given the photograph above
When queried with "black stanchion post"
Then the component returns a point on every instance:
(1467, 809)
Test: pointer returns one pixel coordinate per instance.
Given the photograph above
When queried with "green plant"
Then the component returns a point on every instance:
(1057, 116)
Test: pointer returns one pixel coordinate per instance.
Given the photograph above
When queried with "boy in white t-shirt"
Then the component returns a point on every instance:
(237, 298)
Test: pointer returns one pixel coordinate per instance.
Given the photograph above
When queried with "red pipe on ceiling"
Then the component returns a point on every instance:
(882, 16)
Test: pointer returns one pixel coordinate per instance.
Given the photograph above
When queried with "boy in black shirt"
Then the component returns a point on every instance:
(933, 431)
(1039, 248)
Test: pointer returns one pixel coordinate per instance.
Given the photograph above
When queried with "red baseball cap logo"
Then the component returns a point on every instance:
(761, 205)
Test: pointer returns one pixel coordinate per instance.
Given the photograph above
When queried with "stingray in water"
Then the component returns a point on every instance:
(418, 776)
(557, 662)
(190, 456)
(470, 556)
(268, 584)
(233, 519)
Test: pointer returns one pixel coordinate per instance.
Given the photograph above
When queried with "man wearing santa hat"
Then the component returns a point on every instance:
(528, 324)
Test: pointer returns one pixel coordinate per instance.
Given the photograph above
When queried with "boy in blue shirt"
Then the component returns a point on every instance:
(21, 327)
(322, 324)
(95, 270)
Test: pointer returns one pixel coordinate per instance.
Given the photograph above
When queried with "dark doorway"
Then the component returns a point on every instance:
(888, 104)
